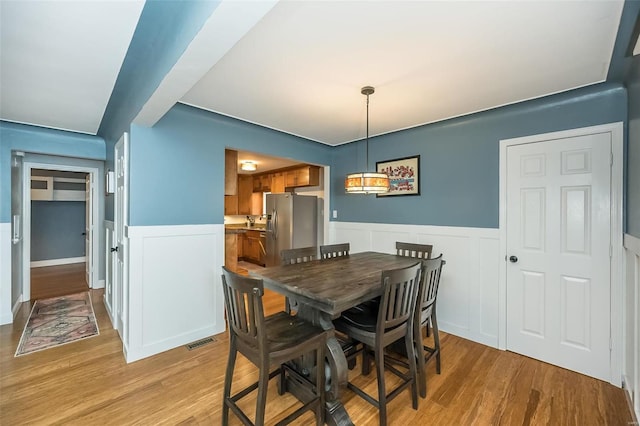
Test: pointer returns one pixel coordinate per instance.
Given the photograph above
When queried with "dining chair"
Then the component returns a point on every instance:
(334, 250)
(425, 314)
(419, 251)
(266, 342)
(378, 329)
(291, 257)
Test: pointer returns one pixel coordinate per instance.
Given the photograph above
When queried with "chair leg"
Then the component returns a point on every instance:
(436, 341)
(227, 382)
(422, 368)
(411, 358)
(366, 360)
(382, 391)
(261, 401)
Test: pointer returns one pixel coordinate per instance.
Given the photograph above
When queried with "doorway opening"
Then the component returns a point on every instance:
(66, 195)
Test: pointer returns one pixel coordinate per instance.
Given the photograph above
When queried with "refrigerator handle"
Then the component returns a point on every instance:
(274, 224)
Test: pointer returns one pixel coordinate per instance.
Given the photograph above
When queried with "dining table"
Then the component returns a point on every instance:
(323, 289)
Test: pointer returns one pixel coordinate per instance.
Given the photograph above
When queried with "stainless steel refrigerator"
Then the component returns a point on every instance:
(292, 222)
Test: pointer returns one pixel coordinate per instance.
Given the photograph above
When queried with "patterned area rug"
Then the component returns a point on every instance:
(58, 321)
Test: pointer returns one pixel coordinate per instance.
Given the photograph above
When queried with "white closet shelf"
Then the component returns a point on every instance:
(50, 193)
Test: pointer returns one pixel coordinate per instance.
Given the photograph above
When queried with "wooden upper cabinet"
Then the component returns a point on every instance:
(230, 205)
(303, 176)
(277, 183)
(230, 172)
(262, 183)
(245, 189)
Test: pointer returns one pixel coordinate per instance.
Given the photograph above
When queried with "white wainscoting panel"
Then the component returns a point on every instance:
(6, 316)
(468, 295)
(631, 336)
(175, 291)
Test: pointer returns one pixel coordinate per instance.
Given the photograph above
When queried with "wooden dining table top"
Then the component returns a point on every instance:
(333, 285)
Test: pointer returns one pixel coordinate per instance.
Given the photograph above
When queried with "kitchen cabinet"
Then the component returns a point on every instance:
(230, 205)
(231, 252)
(249, 202)
(241, 238)
(253, 247)
(302, 176)
(230, 172)
(262, 183)
(245, 190)
(277, 183)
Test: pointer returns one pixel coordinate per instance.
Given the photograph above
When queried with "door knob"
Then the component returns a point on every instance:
(114, 249)
(513, 259)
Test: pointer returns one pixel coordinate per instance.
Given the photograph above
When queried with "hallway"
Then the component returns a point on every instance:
(52, 281)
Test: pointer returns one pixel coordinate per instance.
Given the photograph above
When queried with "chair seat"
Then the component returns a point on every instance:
(362, 317)
(285, 331)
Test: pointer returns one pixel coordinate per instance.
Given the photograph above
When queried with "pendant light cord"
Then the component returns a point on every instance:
(367, 151)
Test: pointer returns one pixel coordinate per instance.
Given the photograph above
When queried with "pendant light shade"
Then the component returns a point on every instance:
(367, 182)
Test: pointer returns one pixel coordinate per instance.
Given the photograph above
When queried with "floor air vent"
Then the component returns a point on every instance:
(197, 344)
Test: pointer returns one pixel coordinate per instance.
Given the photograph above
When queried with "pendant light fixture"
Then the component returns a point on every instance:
(367, 182)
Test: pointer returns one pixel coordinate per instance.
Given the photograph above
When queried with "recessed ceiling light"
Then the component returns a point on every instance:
(249, 166)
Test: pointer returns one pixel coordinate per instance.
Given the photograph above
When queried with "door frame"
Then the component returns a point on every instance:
(616, 233)
(26, 199)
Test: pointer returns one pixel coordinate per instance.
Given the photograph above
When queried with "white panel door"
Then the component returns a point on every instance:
(88, 230)
(120, 221)
(558, 249)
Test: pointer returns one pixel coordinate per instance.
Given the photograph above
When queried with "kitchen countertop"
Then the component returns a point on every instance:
(241, 229)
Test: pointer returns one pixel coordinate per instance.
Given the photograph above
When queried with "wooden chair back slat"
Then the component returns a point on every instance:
(335, 250)
(419, 251)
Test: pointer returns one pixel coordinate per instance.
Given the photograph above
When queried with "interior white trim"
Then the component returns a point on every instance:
(631, 329)
(55, 262)
(26, 199)
(616, 130)
(468, 295)
(6, 314)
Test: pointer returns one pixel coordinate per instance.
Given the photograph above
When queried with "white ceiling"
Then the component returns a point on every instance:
(298, 66)
(59, 60)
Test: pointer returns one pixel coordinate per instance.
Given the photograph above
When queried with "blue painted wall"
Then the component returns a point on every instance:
(39, 140)
(177, 167)
(459, 170)
(56, 229)
(633, 151)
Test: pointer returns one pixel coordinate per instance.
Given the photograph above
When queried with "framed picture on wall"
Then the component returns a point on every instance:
(404, 175)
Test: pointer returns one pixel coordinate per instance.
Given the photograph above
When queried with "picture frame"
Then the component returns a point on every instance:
(404, 175)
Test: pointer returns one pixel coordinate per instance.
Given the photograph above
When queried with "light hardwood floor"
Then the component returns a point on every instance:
(53, 281)
(89, 383)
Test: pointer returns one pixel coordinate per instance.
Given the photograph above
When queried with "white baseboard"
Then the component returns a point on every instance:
(468, 295)
(56, 262)
(171, 343)
(99, 284)
(17, 306)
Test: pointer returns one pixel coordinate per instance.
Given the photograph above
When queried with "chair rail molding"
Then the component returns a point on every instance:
(468, 295)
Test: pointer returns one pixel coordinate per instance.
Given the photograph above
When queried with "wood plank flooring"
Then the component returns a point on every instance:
(89, 383)
(53, 281)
